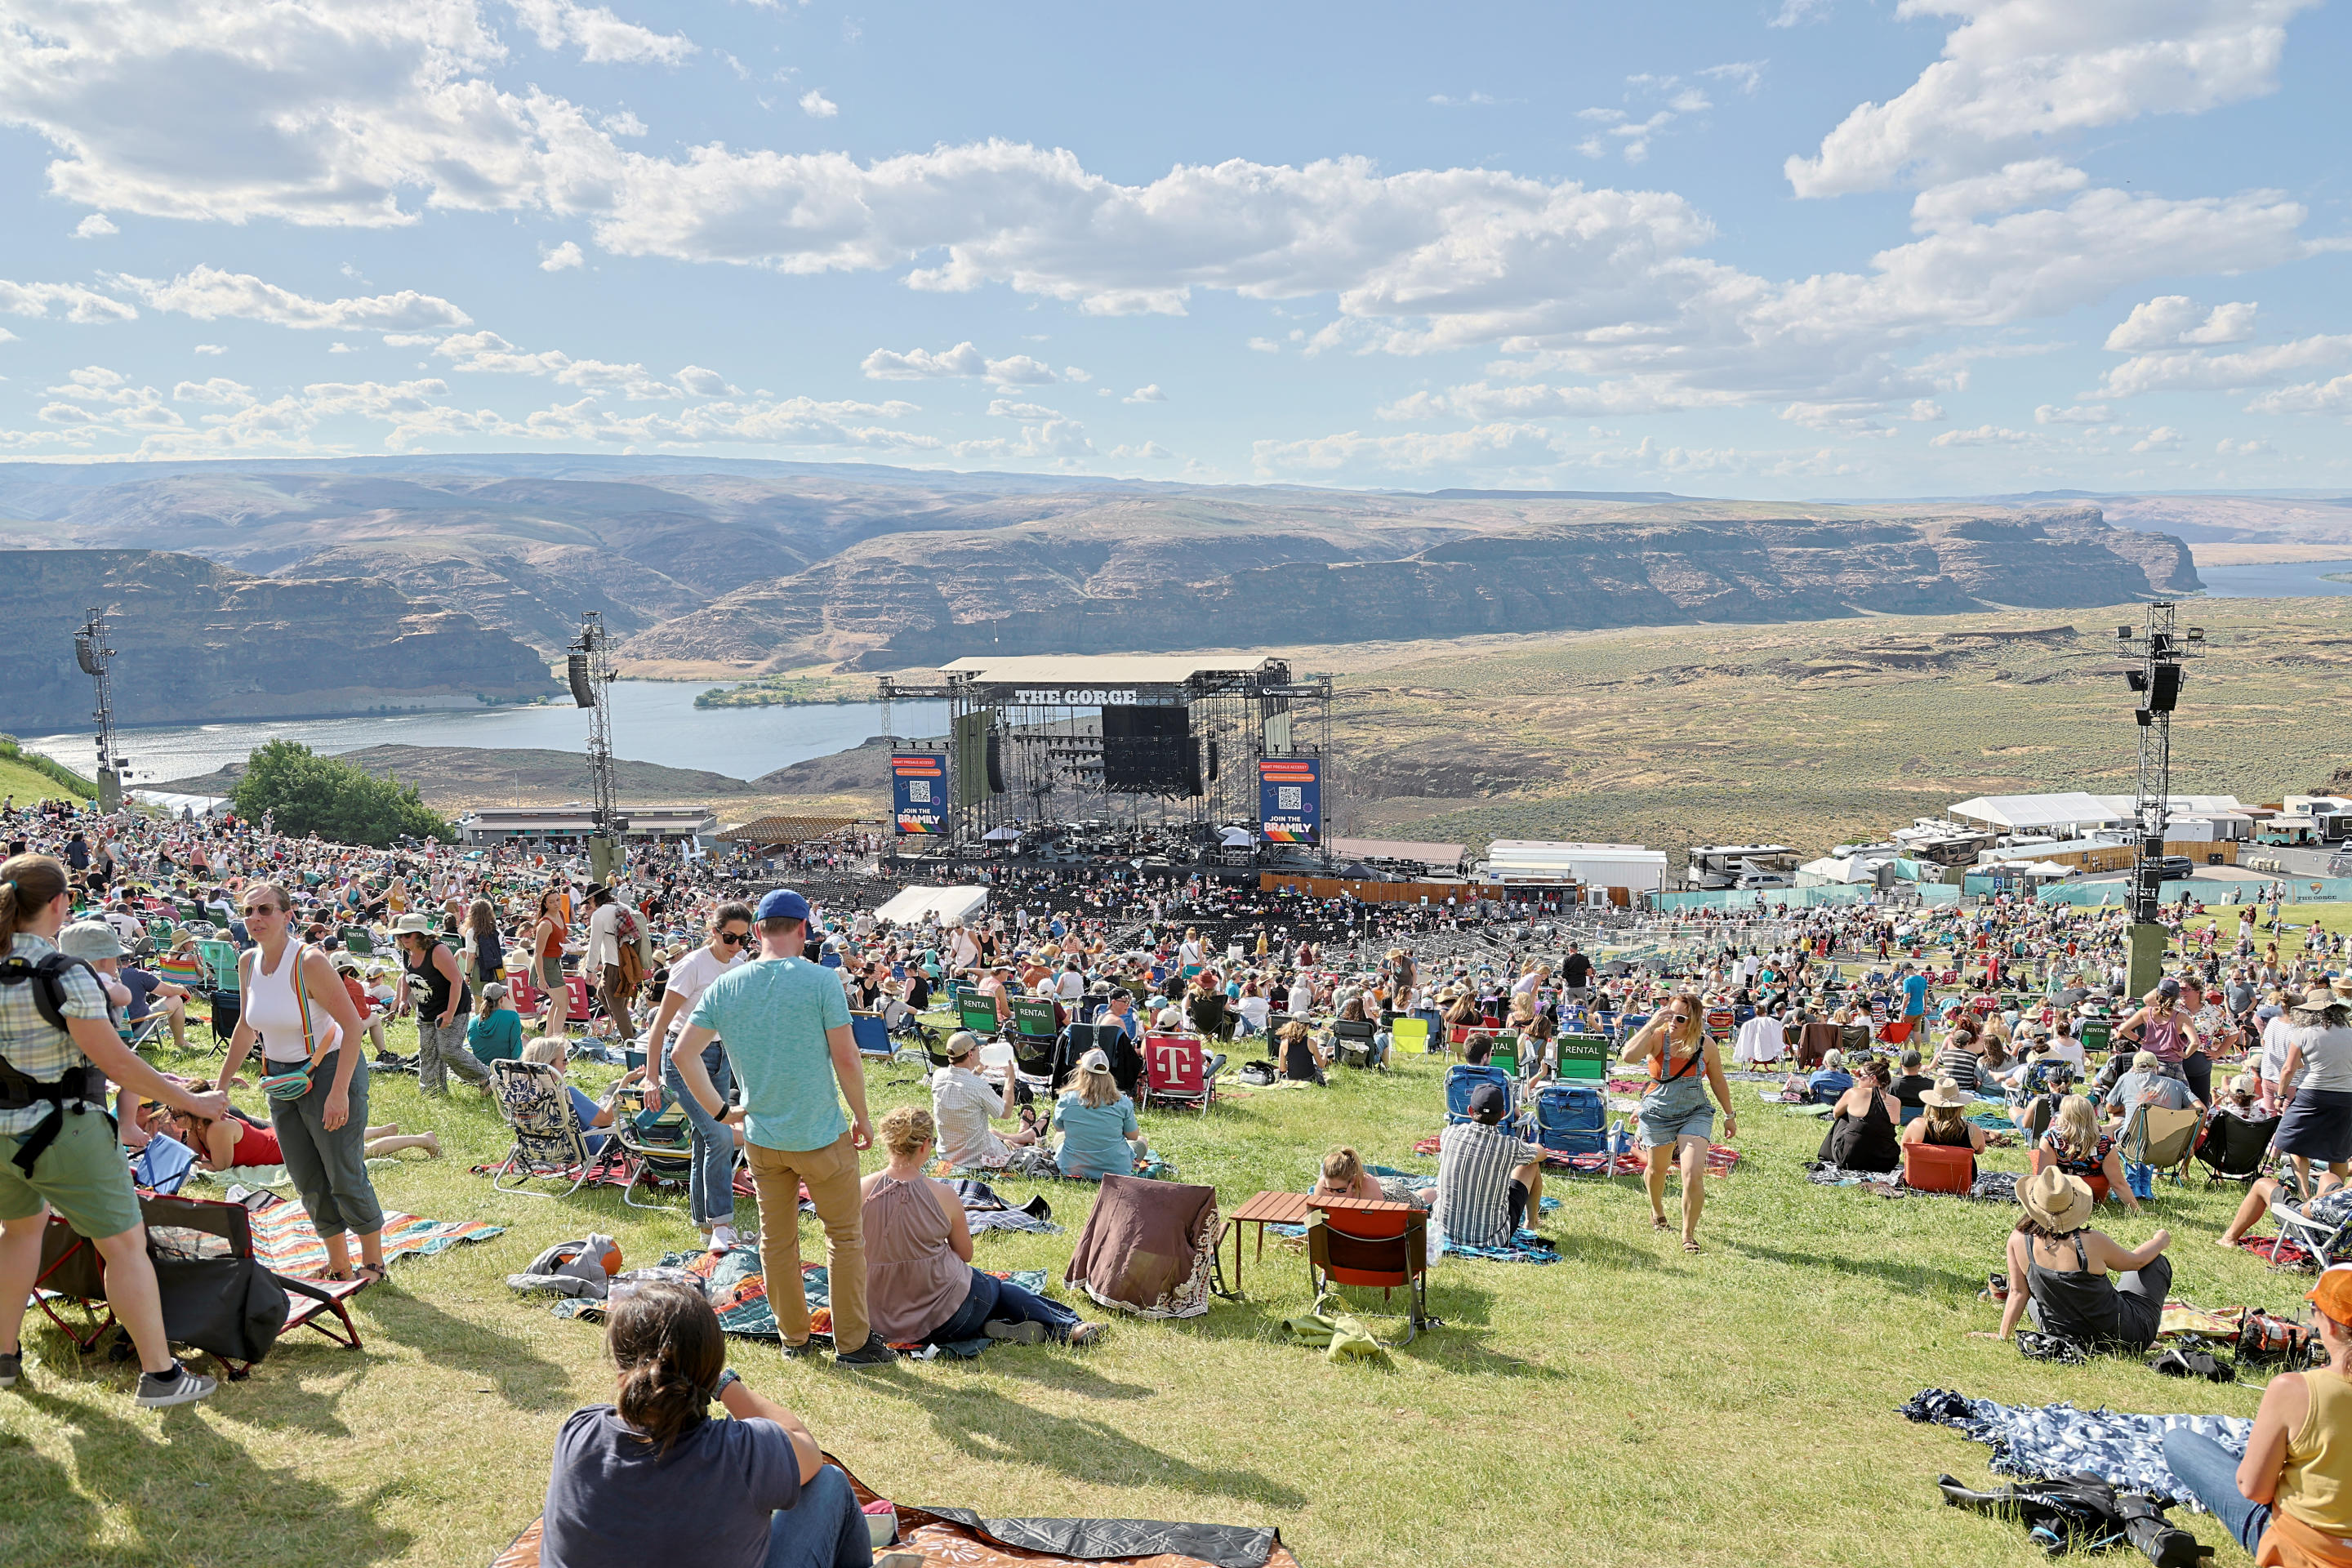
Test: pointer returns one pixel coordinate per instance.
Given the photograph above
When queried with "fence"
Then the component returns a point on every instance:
(2304, 890)
(1762, 897)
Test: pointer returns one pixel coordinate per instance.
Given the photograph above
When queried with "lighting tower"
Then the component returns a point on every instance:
(2161, 650)
(591, 677)
(95, 657)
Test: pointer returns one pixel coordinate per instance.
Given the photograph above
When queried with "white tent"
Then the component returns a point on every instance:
(1006, 835)
(953, 906)
(1236, 838)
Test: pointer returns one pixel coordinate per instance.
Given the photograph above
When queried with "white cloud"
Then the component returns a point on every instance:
(2169, 321)
(2011, 187)
(1484, 446)
(1006, 408)
(1151, 393)
(1925, 411)
(71, 301)
(963, 359)
(2225, 448)
(562, 255)
(2163, 438)
(97, 226)
(2310, 397)
(219, 389)
(1470, 99)
(603, 38)
(2079, 414)
(209, 294)
(1982, 435)
(1265, 346)
(1072, 372)
(2197, 371)
(341, 348)
(624, 123)
(2016, 74)
(816, 106)
(1743, 74)
(1841, 418)
(705, 383)
(1150, 451)
(1795, 13)
(212, 347)
(489, 353)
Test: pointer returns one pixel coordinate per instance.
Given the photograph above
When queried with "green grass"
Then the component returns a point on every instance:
(1628, 1405)
(29, 776)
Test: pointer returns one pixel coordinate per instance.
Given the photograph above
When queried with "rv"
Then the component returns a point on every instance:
(1708, 868)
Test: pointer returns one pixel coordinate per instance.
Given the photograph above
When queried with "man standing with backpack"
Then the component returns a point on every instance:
(616, 958)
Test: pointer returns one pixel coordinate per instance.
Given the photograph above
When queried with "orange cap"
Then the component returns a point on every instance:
(2332, 1294)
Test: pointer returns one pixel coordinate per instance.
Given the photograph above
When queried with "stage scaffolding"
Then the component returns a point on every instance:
(1024, 740)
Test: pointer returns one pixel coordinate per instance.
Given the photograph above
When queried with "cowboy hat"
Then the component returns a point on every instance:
(1947, 1093)
(2056, 1202)
(2318, 999)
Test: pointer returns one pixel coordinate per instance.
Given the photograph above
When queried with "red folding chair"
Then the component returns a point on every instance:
(72, 1272)
(1176, 1068)
(1384, 1249)
(577, 985)
(1936, 1168)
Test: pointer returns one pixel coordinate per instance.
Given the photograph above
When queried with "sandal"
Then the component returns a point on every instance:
(370, 1274)
(1690, 1243)
(1660, 1221)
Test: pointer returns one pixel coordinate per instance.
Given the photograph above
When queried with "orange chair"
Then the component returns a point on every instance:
(1384, 1249)
(1937, 1168)
(2097, 1180)
(1894, 1031)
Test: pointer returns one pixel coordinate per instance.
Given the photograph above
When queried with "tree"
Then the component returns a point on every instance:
(335, 800)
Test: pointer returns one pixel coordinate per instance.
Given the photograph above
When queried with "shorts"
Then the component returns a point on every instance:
(82, 1175)
(1662, 1129)
(550, 973)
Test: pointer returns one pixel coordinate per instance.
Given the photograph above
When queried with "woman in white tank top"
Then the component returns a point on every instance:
(323, 1134)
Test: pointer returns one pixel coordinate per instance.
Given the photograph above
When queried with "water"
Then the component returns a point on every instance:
(653, 721)
(2274, 580)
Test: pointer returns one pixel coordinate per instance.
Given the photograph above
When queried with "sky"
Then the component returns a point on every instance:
(1746, 248)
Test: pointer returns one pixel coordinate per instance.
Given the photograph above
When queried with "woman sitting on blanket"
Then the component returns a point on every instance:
(1861, 1135)
(2083, 1150)
(1344, 1176)
(651, 1478)
(1097, 1122)
(2058, 1267)
(922, 1288)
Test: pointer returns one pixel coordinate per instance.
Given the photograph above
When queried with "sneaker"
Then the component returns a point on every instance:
(875, 1352)
(722, 1238)
(1021, 1333)
(11, 1367)
(801, 1351)
(184, 1388)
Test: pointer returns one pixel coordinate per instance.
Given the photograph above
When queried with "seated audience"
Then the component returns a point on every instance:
(963, 1104)
(1829, 1080)
(1961, 1059)
(496, 1033)
(2147, 1084)
(1100, 1134)
(1488, 1181)
(1303, 1060)
(1861, 1135)
(650, 1478)
(2288, 1499)
(2081, 1149)
(1344, 1176)
(548, 1051)
(1912, 1083)
(922, 1288)
(2058, 1270)
(1943, 1120)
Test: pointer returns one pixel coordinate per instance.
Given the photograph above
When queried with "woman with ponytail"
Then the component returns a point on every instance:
(58, 1150)
(650, 1478)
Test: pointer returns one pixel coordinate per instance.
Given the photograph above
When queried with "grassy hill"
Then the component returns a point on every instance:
(29, 776)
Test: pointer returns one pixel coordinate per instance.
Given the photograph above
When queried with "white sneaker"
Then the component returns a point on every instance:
(722, 1238)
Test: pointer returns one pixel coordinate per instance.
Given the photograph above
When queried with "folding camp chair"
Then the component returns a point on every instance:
(582, 999)
(2233, 1148)
(1410, 1035)
(1934, 1168)
(1572, 1119)
(1384, 1249)
(1462, 1078)
(873, 1037)
(548, 1144)
(220, 959)
(1353, 1041)
(1582, 1058)
(358, 942)
(977, 1014)
(2158, 1137)
(659, 1145)
(2324, 1241)
(1176, 1069)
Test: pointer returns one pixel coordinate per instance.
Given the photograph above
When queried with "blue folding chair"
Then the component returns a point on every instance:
(873, 1037)
(1573, 1119)
(1462, 1078)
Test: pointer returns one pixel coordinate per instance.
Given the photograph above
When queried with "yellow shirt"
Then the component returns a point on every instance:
(2316, 1484)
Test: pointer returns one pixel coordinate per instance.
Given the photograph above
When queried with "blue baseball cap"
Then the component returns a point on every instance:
(783, 904)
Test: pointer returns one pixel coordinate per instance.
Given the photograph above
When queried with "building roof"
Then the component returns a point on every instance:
(784, 829)
(1100, 669)
(1398, 849)
(1562, 850)
(2061, 809)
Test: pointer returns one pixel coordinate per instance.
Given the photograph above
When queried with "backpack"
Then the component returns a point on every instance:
(626, 955)
(47, 976)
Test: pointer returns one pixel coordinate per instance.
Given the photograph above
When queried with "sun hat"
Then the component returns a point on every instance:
(2056, 1201)
(413, 925)
(89, 939)
(2333, 1293)
(2318, 999)
(1947, 1093)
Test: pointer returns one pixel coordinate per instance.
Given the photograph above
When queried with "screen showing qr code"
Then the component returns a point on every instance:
(1290, 797)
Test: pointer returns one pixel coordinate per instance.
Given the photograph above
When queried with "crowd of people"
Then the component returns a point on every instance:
(735, 1000)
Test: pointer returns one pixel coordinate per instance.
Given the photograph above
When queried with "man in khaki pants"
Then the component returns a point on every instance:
(786, 1024)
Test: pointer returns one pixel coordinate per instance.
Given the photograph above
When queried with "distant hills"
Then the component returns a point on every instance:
(715, 566)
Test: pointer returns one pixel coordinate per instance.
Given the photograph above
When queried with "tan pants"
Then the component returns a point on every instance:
(831, 1176)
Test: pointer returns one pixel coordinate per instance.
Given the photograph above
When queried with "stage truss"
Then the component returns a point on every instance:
(1042, 716)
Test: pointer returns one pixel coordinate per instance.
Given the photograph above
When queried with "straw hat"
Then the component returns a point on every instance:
(2056, 1202)
(2319, 999)
(1947, 1093)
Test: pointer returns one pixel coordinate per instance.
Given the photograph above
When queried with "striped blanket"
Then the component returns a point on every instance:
(287, 1243)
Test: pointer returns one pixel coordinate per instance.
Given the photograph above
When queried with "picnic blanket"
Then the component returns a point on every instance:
(287, 1243)
(1525, 1246)
(1993, 1120)
(613, 1173)
(2277, 1250)
(2126, 1451)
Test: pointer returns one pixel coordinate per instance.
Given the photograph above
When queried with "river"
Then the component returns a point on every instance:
(2274, 580)
(653, 721)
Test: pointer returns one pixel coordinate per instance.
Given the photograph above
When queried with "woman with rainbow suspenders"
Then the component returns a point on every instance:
(293, 1004)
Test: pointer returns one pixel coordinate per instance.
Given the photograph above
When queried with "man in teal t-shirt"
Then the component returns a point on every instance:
(786, 1024)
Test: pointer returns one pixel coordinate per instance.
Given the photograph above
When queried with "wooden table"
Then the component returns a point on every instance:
(1287, 1208)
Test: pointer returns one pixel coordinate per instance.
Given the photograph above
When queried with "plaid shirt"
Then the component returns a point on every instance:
(1475, 1162)
(31, 1045)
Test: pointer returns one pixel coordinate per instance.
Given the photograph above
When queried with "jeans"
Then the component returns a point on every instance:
(994, 1301)
(442, 1051)
(711, 1190)
(2209, 1470)
(825, 1530)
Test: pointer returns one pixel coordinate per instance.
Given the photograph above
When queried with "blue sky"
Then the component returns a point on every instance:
(1796, 247)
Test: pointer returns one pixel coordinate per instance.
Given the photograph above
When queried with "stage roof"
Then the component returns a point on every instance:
(1100, 669)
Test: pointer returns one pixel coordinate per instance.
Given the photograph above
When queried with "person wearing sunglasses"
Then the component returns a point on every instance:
(711, 1185)
(1676, 1117)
